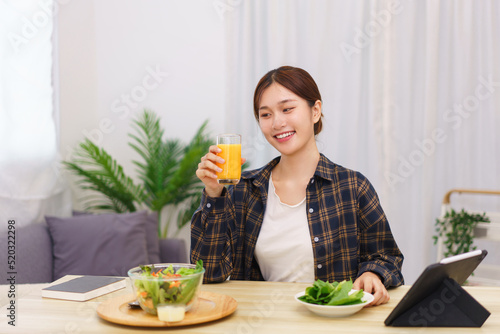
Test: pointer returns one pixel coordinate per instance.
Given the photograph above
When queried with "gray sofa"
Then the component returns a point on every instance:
(34, 256)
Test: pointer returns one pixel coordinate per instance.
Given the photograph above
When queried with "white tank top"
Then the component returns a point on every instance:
(284, 248)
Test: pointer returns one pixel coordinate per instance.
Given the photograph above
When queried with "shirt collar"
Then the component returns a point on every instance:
(261, 175)
(325, 169)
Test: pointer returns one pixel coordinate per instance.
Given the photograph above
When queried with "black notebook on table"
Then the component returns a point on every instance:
(84, 287)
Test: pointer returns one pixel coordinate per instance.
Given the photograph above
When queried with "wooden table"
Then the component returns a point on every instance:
(263, 307)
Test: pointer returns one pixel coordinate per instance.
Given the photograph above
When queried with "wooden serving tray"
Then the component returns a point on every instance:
(209, 306)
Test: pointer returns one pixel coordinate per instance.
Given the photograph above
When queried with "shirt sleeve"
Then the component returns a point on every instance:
(379, 252)
(210, 236)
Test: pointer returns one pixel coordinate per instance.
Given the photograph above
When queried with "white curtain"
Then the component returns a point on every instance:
(411, 93)
(30, 185)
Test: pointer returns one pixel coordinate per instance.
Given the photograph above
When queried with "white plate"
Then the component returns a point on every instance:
(336, 311)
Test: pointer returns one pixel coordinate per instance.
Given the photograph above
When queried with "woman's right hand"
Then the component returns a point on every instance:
(207, 170)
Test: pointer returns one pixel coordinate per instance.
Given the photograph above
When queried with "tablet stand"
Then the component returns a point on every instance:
(448, 306)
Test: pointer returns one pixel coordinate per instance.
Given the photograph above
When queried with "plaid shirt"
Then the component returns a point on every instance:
(348, 228)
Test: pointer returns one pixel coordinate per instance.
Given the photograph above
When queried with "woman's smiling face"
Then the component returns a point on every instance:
(286, 120)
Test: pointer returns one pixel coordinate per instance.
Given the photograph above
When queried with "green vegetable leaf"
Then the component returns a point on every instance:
(325, 293)
(169, 270)
(199, 266)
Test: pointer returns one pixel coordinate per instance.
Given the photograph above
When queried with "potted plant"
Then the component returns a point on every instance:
(167, 168)
(457, 231)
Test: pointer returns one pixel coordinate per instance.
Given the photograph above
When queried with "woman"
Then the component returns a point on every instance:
(299, 218)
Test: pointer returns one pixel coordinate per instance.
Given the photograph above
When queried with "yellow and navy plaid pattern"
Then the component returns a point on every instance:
(349, 230)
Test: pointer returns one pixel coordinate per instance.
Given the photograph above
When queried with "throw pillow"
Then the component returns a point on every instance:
(33, 256)
(152, 240)
(108, 244)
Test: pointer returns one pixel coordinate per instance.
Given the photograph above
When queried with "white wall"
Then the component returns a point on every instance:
(108, 50)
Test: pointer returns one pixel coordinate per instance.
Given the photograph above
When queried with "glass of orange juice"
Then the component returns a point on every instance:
(230, 144)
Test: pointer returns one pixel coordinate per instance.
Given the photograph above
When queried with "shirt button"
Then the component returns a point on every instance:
(311, 210)
(320, 266)
(209, 205)
(316, 239)
(312, 181)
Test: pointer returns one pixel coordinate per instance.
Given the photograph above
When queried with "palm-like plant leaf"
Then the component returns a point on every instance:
(182, 180)
(167, 170)
(101, 173)
(147, 144)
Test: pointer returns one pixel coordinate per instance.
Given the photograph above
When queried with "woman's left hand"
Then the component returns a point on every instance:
(371, 283)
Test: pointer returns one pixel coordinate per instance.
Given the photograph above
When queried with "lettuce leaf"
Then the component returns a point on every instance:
(325, 293)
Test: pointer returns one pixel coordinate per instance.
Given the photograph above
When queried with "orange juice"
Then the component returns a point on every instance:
(231, 169)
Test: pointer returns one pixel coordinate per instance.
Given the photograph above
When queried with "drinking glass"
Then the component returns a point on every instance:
(230, 144)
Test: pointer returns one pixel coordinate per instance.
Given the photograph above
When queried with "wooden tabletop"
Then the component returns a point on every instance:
(263, 307)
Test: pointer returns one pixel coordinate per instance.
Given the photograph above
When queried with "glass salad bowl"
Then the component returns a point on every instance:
(167, 288)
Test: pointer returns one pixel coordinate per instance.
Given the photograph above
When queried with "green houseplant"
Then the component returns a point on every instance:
(166, 171)
(457, 231)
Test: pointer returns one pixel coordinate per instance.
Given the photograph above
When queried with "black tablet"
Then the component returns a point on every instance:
(458, 268)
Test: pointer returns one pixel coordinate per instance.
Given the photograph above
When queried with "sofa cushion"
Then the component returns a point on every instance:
(152, 239)
(108, 244)
(33, 254)
(173, 251)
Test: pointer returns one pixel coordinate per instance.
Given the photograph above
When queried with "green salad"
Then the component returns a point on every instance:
(169, 286)
(324, 293)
